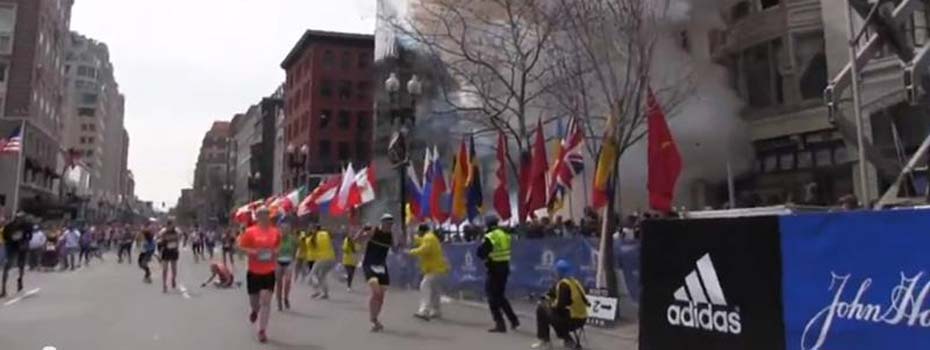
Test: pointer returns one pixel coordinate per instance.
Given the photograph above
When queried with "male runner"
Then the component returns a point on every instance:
(16, 237)
(146, 251)
(229, 242)
(125, 237)
(286, 252)
(374, 265)
(218, 270)
(169, 240)
(260, 243)
(197, 244)
(209, 242)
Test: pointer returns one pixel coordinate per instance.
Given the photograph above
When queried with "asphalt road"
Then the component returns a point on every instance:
(106, 306)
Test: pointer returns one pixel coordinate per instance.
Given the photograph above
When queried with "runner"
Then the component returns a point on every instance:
(321, 244)
(71, 246)
(286, 253)
(218, 270)
(209, 242)
(146, 251)
(349, 258)
(374, 265)
(434, 266)
(125, 237)
(16, 237)
(260, 243)
(197, 244)
(169, 241)
(229, 241)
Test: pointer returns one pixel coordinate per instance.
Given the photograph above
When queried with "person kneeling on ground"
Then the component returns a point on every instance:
(564, 309)
(218, 270)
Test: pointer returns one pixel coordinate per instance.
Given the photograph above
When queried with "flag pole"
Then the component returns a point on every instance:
(731, 187)
(19, 166)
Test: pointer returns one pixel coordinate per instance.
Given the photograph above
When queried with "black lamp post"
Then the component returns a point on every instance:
(402, 118)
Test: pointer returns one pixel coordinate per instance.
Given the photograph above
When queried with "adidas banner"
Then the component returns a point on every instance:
(857, 281)
(711, 284)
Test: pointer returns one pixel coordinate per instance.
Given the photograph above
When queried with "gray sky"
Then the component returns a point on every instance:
(184, 63)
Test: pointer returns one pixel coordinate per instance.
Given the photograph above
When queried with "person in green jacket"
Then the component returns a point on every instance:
(286, 254)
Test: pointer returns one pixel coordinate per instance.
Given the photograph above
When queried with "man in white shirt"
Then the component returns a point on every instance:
(36, 247)
(72, 244)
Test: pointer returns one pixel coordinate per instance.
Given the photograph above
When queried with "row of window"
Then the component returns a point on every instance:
(87, 140)
(345, 90)
(88, 127)
(359, 59)
(788, 160)
(344, 121)
(343, 152)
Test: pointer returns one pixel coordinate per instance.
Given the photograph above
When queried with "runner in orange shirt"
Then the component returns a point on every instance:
(260, 243)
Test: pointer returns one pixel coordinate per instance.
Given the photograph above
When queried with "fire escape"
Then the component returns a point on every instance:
(886, 20)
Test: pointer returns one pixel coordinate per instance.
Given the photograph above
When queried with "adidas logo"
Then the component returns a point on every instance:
(700, 303)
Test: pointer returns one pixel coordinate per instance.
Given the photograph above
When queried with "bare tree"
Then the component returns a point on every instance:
(604, 54)
(493, 53)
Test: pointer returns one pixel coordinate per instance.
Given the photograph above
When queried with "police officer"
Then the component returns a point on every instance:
(495, 251)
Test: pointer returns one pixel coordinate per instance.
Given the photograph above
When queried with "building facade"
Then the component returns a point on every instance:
(212, 193)
(33, 36)
(242, 129)
(327, 105)
(781, 54)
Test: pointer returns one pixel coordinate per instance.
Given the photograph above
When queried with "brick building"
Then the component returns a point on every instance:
(33, 37)
(328, 104)
(212, 183)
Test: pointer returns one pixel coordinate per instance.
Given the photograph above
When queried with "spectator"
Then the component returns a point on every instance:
(36, 246)
(570, 229)
(72, 244)
(558, 228)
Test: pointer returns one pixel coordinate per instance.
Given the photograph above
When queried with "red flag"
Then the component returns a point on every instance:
(502, 192)
(664, 159)
(536, 190)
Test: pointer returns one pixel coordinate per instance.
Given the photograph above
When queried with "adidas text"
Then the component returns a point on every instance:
(704, 317)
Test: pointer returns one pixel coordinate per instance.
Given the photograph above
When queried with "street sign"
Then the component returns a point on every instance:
(602, 311)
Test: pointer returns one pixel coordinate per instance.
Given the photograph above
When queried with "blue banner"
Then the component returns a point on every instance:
(857, 281)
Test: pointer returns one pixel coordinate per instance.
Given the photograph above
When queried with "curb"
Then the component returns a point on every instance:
(527, 315)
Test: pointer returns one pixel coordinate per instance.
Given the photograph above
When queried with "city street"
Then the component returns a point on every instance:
(106, 306)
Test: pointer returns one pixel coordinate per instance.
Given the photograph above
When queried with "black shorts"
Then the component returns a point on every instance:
(383, 278)
(255, 283)
(169, 255)
(227, 249)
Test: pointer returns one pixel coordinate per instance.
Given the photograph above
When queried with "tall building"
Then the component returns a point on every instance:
(781, 54)
(94, 130)
(242, 132)
(327, 104)
(212, 185)
(33, 36)
(271, 108)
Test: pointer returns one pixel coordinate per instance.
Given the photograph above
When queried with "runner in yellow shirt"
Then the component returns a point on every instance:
(324, 259)
(350, 258)
(434, 266)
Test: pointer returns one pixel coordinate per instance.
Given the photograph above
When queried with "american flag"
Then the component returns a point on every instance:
(14, 143)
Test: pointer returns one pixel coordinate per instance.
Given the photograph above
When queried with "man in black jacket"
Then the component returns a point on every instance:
(16, 237)
(495, 251)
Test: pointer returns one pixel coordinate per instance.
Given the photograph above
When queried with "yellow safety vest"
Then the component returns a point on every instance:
(500, 241)
(578, 309)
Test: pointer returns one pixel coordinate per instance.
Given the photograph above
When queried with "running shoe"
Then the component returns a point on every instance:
(542, 345)
(377, 327)
(262, 338)
(253, 316)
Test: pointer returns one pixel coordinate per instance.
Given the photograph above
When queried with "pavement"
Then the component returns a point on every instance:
(106, 306)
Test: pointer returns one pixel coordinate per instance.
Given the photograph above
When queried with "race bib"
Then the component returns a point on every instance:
(171, 245)
(265, 255)
(284, 259)
(379, 269)
(18, 235)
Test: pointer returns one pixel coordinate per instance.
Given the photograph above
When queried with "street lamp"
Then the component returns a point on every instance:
(400, 118)
(297, 161)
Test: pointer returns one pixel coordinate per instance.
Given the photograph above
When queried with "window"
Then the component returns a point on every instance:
(326, 88)
(346, 60)
(86, 112)
(363, 59)
(363, 89)
(329, 59)
(840, 154)
(2, 73)
(762, 78)
(805, 160)
(345, 90)
(86, 71)
(89, 153)
(343, 151)
(363, 121)
(345, 120)
(740, 10)
(88, 98)
(325, 116)
(325, 149)
(812, 64)
(7, 25)
(361, 151)
(767, 4)
(823, 157)
(786, 161)
(771, 163)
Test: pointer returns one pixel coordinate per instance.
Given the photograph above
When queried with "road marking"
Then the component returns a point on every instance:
(21, 297)
(184, 291)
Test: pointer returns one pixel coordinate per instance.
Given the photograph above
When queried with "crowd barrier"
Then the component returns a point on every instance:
(532, 266)
(852, 281)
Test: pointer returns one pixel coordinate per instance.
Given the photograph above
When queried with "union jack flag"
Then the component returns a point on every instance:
(14, 143)
(568, 163)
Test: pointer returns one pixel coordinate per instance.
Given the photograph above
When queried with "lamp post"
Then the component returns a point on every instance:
(254, 181)
(297, 162)
(402, 118)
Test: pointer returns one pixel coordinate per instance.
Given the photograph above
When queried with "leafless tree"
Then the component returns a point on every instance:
(493, 53)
